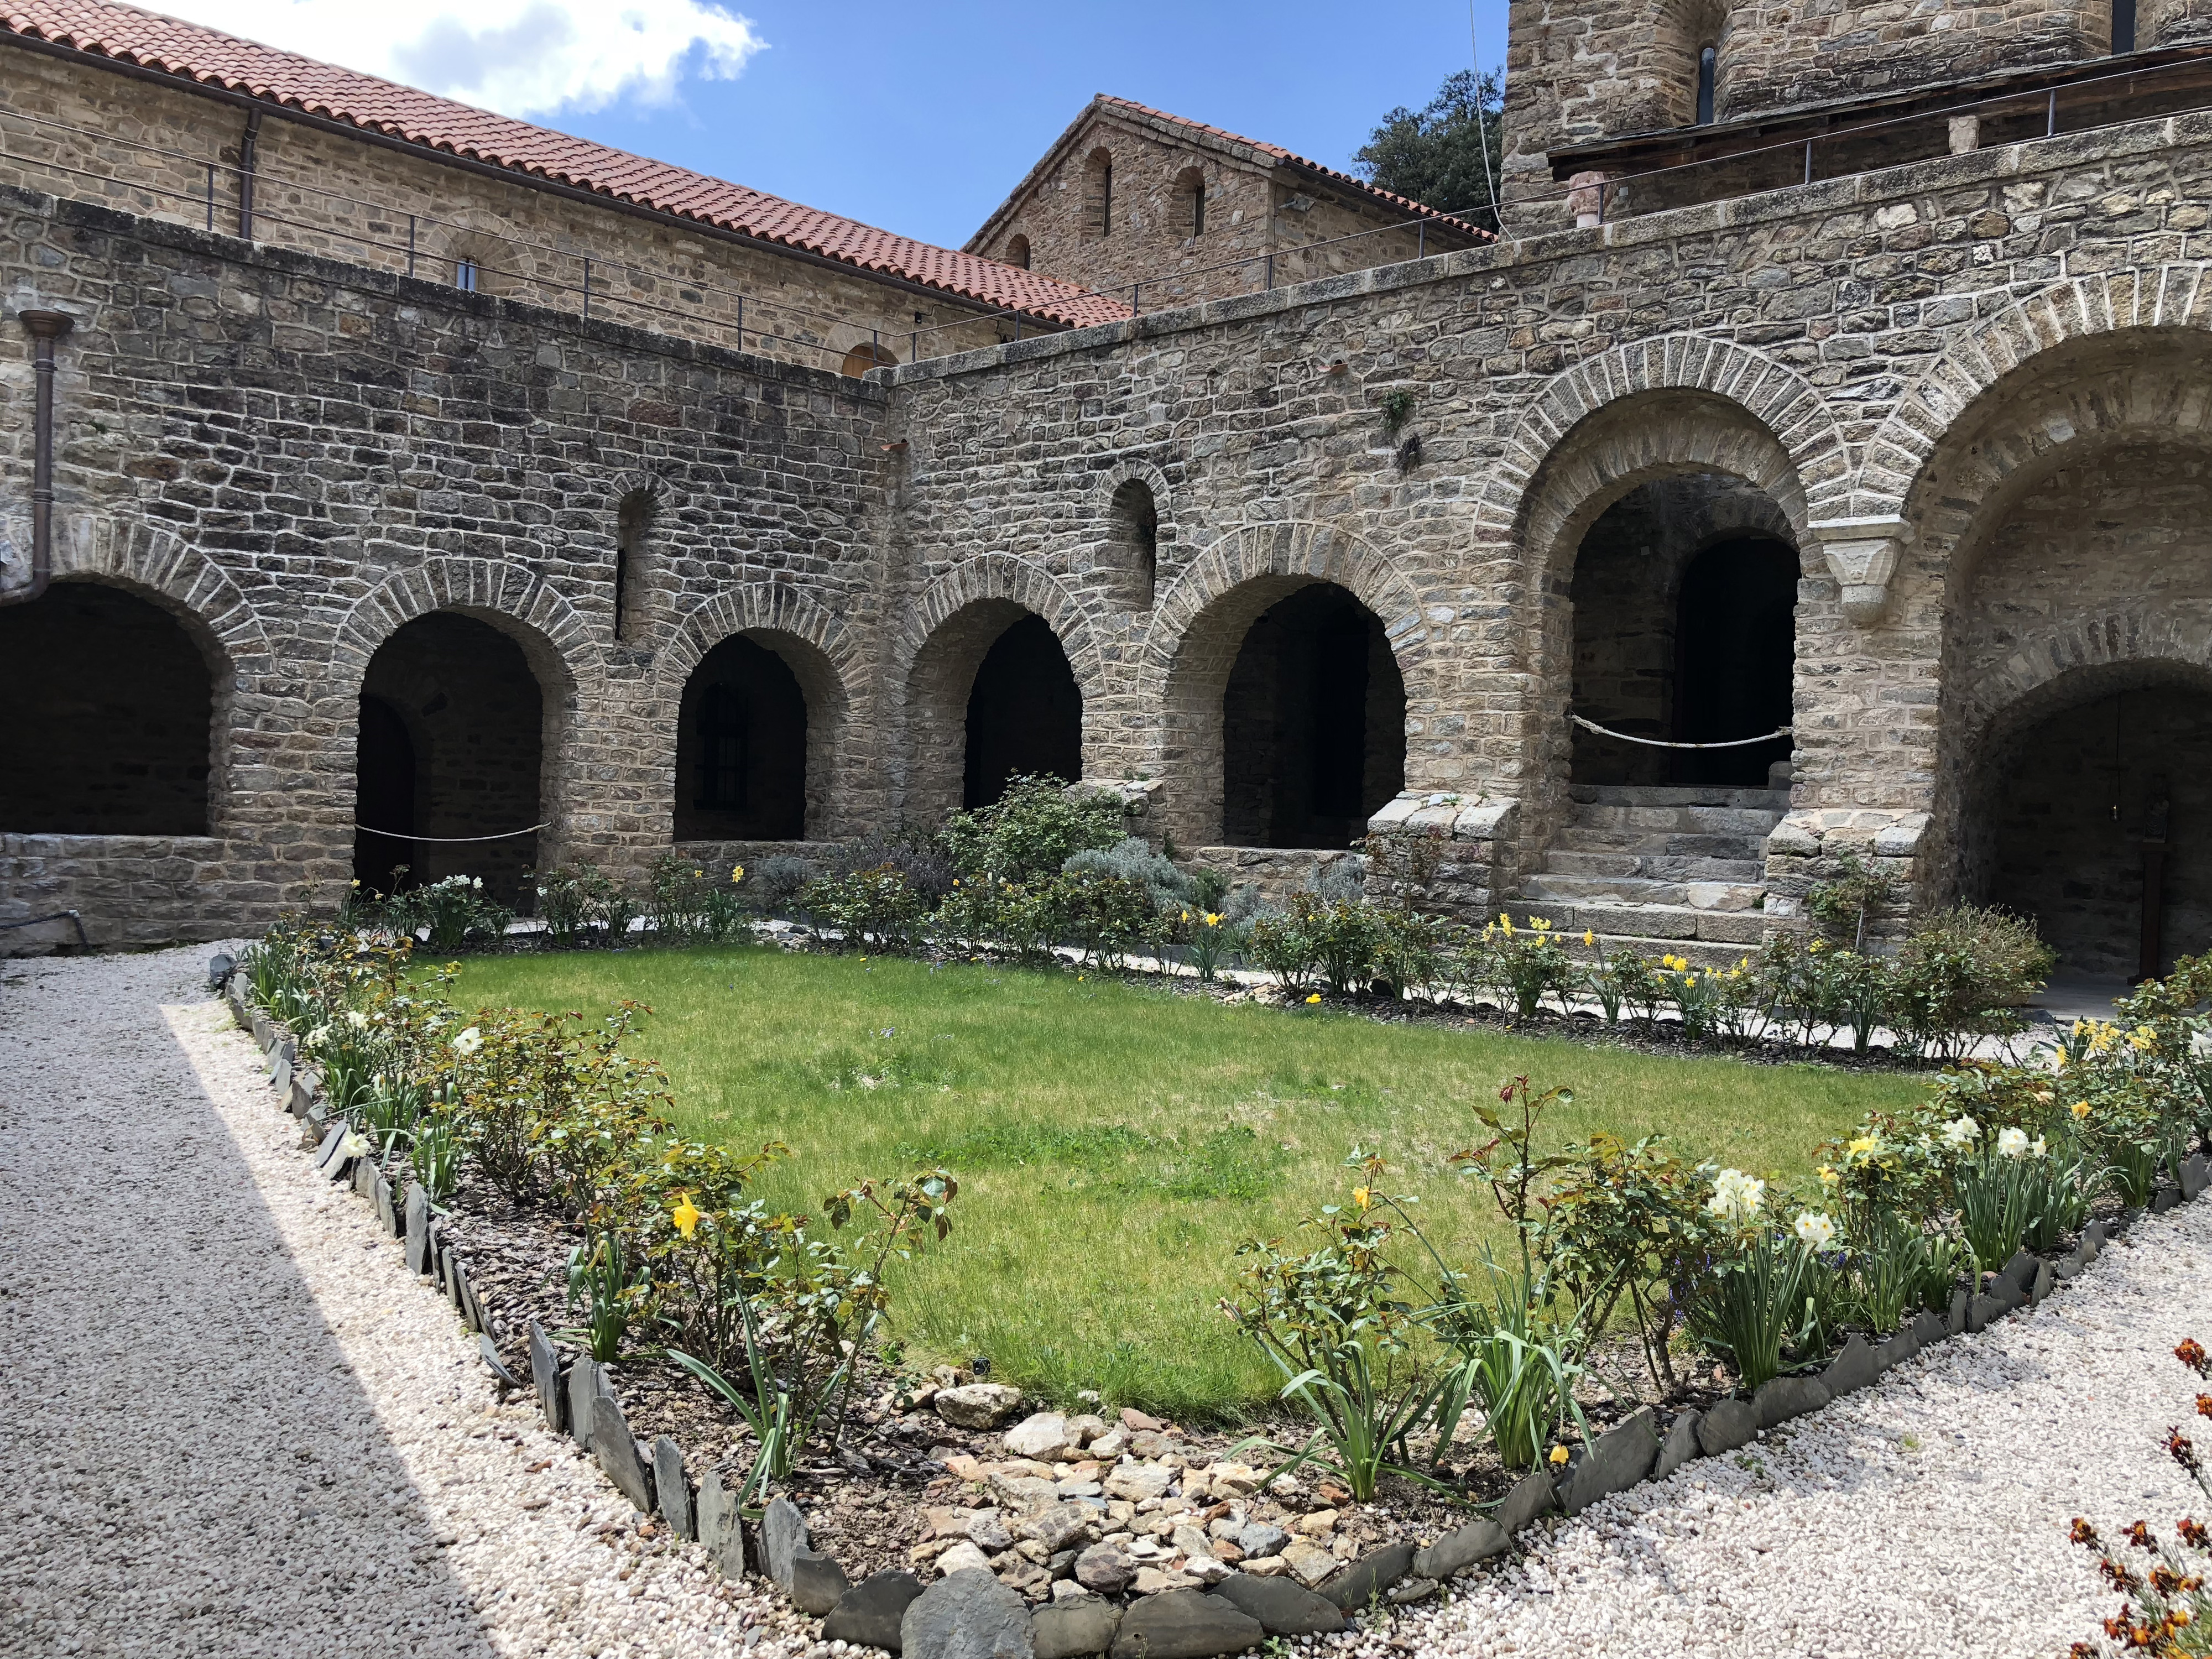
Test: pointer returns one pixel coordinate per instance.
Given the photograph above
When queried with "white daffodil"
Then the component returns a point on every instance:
(468, 1042)
(1736, 1196)
(1961, 1132)
(1816, 1229)
(2012, 1143)
(357, 1019)
(2037, 1149)
(356, 1145)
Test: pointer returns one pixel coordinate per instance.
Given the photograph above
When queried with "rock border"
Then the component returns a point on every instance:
(968, 1613)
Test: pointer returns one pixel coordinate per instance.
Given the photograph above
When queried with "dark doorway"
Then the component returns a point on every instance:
(468, 706)
(2065, 808)
(1024, 713)
(1735, 645)
(1313, 724)
(741, 748)
(383, 768)
(110, 706)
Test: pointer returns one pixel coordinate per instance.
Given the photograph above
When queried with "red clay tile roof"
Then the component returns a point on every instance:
(1405, 203)
(169, 44)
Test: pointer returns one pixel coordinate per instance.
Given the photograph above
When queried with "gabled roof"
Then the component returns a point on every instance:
(1251, 151)
(189, 53)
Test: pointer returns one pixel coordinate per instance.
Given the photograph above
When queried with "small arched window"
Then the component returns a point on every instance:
(868, 354)
(1018, 252)
(1135, 518)
(2123, 26)
(1098, 193)
(1709, 69)
(633, 524)
(1190, 188)
(467, 275)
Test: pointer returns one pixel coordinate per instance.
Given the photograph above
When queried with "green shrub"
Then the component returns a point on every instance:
(1962, 976)
(1133, 859)
(1030, 831)
(878, 906)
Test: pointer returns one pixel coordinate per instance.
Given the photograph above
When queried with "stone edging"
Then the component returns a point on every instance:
(894, 1611)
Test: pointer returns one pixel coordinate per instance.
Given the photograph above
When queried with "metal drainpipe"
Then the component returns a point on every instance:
(46, 327)
(245, 160)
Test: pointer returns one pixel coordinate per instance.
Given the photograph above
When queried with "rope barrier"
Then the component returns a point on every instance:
(70, 916)
(1655, 743)
(450, 841)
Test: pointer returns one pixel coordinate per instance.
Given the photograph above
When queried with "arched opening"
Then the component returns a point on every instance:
(741, 747)
(1098, 193)
(462, 708)
(869, 353)
(1190, 190)
(1709, 71)
(1024, 713)
(1313, 724)
(111, 707)
(2123, 26)
(1018, 252)
(2090, 811)
(1134, 534)
(633, 525)
(1684, 598)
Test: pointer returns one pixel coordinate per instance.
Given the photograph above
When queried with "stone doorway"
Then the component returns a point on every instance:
(112, 708)
(1313, 724)
(1024, 714)
(741, 748)
(456, 703)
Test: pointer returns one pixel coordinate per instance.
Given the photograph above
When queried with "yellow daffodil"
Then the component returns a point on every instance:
(685, 1216)
(698, 875)
(1315, 997)
(737, 872)
(1589, 936)
(1558, 1454)
(1212, 919)
(2080, 1108)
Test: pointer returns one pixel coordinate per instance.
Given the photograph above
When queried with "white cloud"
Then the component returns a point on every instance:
(521, 57)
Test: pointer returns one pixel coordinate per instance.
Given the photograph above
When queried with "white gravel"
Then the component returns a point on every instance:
(234, 1424)
(238, 1426)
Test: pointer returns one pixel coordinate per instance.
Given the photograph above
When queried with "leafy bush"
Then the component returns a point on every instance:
(579, 905)
(1841, 907)
(1031, 831)
(451, 913)
(773, 884)
(1527, 962)
(1962, 974)
(879, 906)
(1132, 859)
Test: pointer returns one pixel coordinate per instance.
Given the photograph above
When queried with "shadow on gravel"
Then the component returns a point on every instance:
(192, 1466)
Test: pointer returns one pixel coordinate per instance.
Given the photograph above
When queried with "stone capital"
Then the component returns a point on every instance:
(1863, 555)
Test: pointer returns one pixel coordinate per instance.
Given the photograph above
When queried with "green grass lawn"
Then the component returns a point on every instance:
(1115, 1142)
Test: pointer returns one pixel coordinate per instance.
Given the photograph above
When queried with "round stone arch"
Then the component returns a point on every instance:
(160, 566)
(557, 641)
(823, 657)
(2172, 296)
(934, 659)
(1198, 628)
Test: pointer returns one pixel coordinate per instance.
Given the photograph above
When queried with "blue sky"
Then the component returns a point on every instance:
(920, 118)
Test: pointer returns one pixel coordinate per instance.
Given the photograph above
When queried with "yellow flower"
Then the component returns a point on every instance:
(1315, 997)
(2141, 1038)
(737, 873)
(696, 874)
(1828, 1176)
(2080, 1108)
(1361, 1197)
(1212, 919)
(686, 1216)
(1862, 1146)
(1506, 922)
(1186, 915)
(1558, 1454)
(1589, 936)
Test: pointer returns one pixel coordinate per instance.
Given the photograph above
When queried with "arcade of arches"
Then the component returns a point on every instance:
(451, 746)
(741, 745)
(1024, 713)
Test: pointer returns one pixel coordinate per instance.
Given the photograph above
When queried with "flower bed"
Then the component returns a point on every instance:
(1084, 1533)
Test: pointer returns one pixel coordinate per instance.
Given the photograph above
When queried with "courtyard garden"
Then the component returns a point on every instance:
(1114, 1141)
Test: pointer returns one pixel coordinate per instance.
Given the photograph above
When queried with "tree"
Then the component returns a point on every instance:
(1436, 155)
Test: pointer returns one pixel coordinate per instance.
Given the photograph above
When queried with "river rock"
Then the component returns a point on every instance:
(1366, 1579)
(1105, 1569)
(963, 1557)
(1262, 1538)
(1132, 1483)
(968, 1615)
(1185, 1625)
(783, 1534)
(1060, 1526)
(978, 1405)
(1308, 1561)
(1455, 1552)
(1070, 1628)
(868, 1614)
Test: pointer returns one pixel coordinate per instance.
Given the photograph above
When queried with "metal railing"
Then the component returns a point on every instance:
(252, 188)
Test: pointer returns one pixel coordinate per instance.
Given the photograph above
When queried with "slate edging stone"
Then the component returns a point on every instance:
(969, 1614)
(867, 1615)
(1366, 1579)
(1184, 1624)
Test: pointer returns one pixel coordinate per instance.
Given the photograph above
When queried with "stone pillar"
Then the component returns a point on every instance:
(1862, 554)
(1586, 195)
(1441, 854)
(1965, 134)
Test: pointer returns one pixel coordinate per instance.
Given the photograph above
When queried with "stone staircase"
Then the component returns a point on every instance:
(1658, 869)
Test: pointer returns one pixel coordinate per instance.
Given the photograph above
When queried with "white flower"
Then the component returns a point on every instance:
(357, 1019)
(2037, 1149)
(1736, 1196)
(1961, 1132)
(467, 1043)
(1816, 1229)
(478, 883)
(356, 1145)
(2012, 1143)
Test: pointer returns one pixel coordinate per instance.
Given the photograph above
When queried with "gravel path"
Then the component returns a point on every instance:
(237, 1425)
(240, 1427)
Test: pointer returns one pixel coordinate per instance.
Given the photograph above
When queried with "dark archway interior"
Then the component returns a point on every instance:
(741, 748)
(110, 704)
(1024, 713)
(1736, 647)
(2065, 805)
(383, 768)
(1313, 724)
(463, 698)
(1685, 596)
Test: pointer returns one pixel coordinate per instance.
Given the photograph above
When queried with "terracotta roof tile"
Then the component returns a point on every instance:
(149, 41)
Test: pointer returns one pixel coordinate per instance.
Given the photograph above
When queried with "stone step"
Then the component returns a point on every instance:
(1638, 890)
(1656, 866)
(1776, 801)
(1683, 820)
(1640, 843)
(1698, 952)
(1671, 922)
